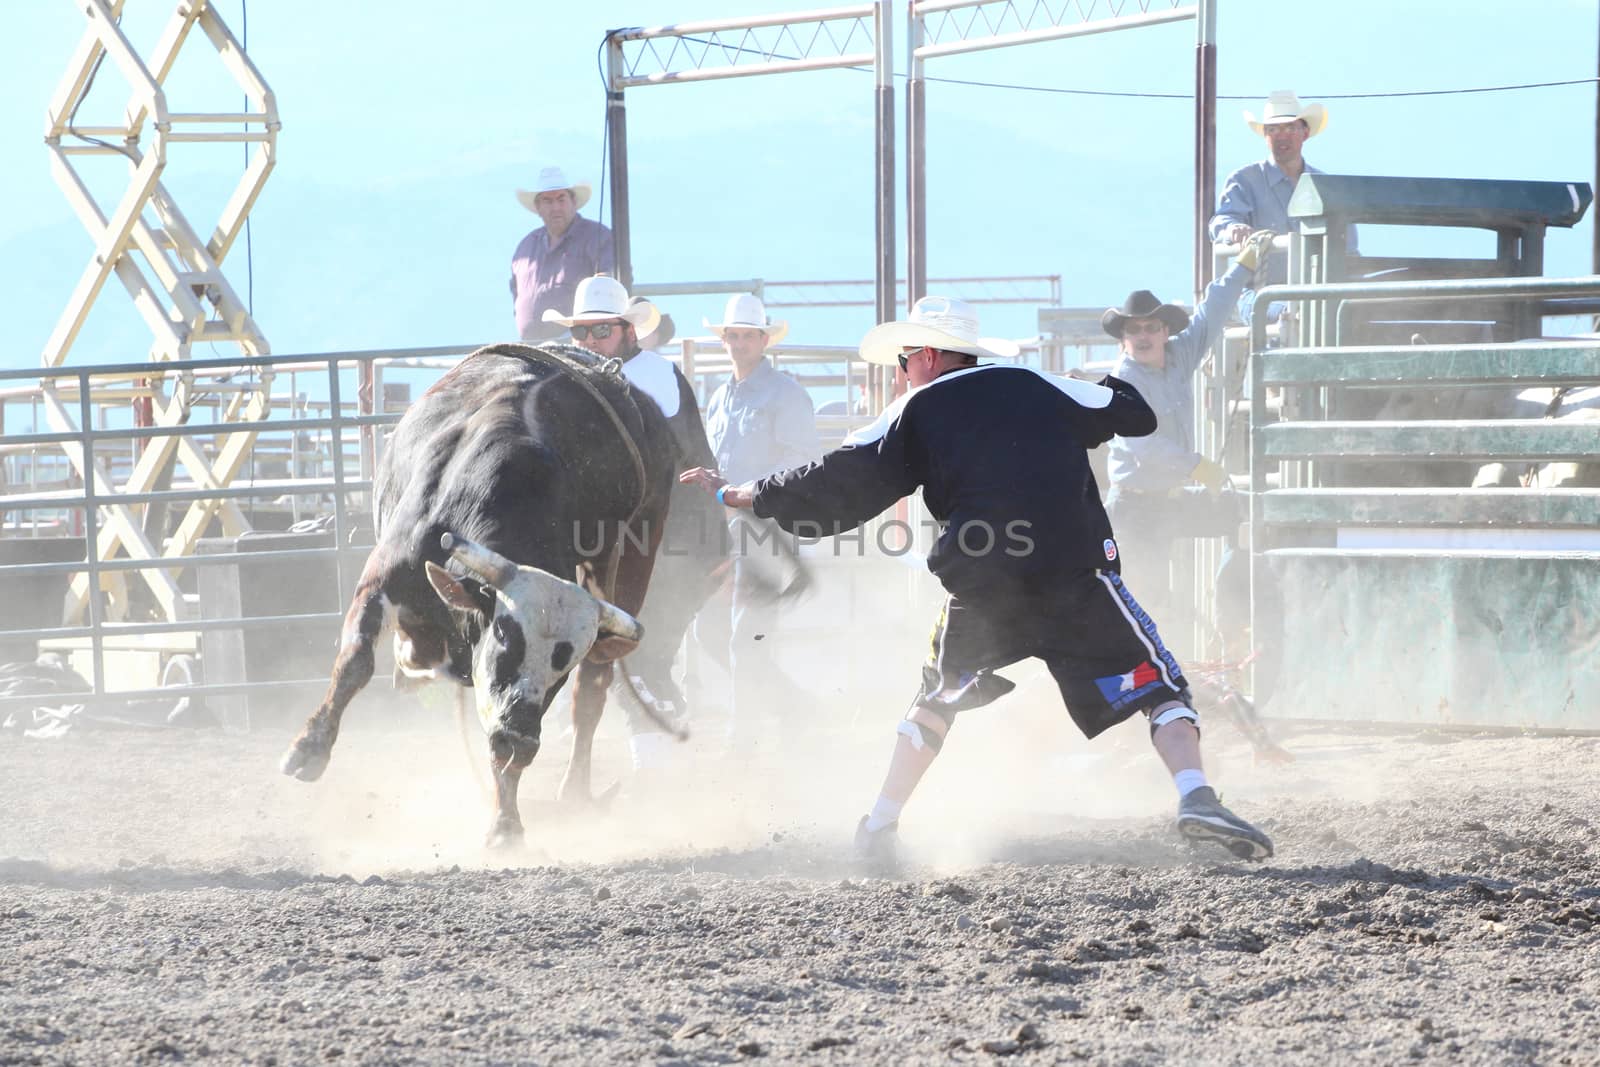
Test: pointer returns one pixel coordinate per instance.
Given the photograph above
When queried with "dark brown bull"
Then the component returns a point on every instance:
(520, 469)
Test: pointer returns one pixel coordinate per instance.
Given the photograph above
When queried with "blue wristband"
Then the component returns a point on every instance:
(721, 495)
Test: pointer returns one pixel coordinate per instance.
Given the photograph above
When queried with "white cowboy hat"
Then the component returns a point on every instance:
(648, 326)
(941, 322)
(747, 312)
(602, 297)
(553, 180)
(1284, 106)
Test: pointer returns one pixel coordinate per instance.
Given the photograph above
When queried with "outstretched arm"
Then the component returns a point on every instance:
(1236, 209)
(840, 491)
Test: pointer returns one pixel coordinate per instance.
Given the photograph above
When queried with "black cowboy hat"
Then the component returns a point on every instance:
(1143, 304)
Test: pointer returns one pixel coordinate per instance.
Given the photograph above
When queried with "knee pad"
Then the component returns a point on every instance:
(920, 735)
(1172, 713)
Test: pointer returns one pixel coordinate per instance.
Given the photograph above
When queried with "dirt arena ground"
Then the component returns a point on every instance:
(170, 897)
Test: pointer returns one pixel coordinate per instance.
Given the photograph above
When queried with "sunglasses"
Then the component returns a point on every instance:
(599, 331)
(905, 357)
(1146, 326)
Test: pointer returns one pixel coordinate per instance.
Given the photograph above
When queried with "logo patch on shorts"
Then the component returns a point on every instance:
(1111, 549)
(1120, 690)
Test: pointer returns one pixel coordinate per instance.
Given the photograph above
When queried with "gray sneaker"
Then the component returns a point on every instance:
(878, 847)
(1201, 817)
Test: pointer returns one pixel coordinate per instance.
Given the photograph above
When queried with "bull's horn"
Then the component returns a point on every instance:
(615, 622)
(486, 563)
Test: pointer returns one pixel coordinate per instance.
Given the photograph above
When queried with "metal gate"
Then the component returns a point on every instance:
(1445, 605)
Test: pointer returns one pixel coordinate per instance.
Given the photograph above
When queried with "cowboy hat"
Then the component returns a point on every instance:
(941, 322)
(661, 331)
(648, 326)
(1143, 304)
(1284, 106)
(553, 180)
(746, 312)
(602, 297)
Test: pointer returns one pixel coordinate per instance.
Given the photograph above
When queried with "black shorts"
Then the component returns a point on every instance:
(1101, 648)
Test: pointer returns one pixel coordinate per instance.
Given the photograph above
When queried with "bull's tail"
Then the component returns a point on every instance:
(474, 760)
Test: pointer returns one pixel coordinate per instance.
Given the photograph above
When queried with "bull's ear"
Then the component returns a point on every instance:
(451, 591)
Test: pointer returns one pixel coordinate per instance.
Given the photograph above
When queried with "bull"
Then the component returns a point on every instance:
(519, 506)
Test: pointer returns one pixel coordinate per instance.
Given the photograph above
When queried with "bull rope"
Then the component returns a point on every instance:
(561, 361)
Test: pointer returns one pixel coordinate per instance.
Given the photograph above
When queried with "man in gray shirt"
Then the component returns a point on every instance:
(759, 422)
(1256, 196)
(1162, 487)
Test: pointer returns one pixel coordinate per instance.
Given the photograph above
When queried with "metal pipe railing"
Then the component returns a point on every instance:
(114, 449)
(1448, 289)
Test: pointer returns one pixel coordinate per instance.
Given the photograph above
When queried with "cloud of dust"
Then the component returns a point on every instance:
(854, 646)
(402, 794)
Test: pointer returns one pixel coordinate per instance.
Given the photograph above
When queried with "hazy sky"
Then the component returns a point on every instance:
(390, 219)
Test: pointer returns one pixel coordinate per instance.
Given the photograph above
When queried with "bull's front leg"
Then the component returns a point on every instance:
(308, 755)
(588, 702)
(507, 759)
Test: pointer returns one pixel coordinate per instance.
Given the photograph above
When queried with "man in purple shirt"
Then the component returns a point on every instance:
(550, 262)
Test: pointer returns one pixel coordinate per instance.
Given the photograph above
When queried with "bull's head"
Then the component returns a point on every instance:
(540, 628)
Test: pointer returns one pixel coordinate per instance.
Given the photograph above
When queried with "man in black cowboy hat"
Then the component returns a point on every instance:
(1162, 487)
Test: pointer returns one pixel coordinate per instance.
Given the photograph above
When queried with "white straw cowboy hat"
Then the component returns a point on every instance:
(747, 312)
(938, 322)
(1283, 106)
(601, 298)
(553, 180)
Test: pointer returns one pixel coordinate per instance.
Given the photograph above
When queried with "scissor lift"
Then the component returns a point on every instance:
(172, 273)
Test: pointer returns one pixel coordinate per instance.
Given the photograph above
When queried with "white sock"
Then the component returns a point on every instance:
(1188, 781)
(884, 812)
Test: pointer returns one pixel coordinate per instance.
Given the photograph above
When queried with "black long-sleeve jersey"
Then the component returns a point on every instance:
(1000, 453)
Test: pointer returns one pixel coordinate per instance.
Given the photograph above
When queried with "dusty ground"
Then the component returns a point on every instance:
(171, 897)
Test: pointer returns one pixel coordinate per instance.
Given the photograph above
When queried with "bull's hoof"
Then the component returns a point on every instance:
(503, 833)
(584, 802)
(305, 760)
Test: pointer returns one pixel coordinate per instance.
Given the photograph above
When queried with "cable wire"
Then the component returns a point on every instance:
(1164, 96)
(1257, 96)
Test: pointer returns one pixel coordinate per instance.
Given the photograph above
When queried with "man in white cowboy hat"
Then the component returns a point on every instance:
(759, 421)
(550, 262)
(1256, 196)
(1025, 552)
(606, 322)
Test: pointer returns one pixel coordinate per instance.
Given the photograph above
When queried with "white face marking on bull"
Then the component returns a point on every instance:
(542, 627)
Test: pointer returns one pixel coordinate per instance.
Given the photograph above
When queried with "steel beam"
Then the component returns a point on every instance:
(1479, 440)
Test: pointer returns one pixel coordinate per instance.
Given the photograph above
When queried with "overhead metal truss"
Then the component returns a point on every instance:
(938, 28)
(950, 27)
(736, 48)
(173, 274)
(769, 44)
